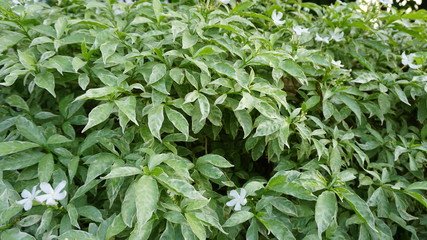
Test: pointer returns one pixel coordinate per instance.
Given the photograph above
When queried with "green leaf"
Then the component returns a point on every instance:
(335, 160)
(294, 70)
(76, 234)
(90, 212)
(177, 74)
(277, 227)
(60, 26)
(401, 94)
(45, 222)
(204, 106)
(99, 164)
(325, 211)
(123, 172)
(238, 218)
(73, 215)
(17, 101)
(116, 227)
(46, 80)
(210, 171)
(29, 130)
(280, 184)
(107, 49)
(179, 121)
(155, 120)
(97, 93)
(15, 234)
(15, 146)
(83, 81)
(157, 73)
(45, 168)
(128, 106)
(77, 64)
(85, 188)
(147, 193)
(417, 196)
(267, 127)
(20, 160)
(57, 139)
(245, 120)
(418, 186)
(158, 9)
(182, 187)
(27, 60)
(8, 39)
(352, 104)
(215, 160)
(311, 102)
(99, 114)
(361, 208)
(188, 40)
(196, 226)
(207, 50)
(128, 207)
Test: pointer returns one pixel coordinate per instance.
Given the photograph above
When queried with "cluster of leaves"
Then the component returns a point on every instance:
(152, 112)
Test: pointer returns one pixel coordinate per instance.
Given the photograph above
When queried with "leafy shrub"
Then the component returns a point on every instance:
(207, 120)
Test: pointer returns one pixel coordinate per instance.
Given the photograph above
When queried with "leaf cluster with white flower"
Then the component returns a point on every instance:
(238, 200)
(408, 60)
(50, 196)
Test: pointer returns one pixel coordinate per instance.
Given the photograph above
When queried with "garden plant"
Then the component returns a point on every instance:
(212, 119)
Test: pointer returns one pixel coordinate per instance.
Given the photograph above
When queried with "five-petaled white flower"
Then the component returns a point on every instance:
(224, 1)
(337, 35)
(321, 39)
(300, 30)
(239, 199)
(408, 59)
(28, 198)
(337, 64)
(52, 194)
(276, 18)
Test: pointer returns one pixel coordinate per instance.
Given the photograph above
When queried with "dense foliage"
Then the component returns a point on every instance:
(212, 120)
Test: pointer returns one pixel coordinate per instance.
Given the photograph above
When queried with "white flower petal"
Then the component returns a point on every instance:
(22, 201)
(237, 207)
(28, 205)
(46, 188)
(42, 198)
(51, 201)
(414, 66)
(242, 193)
(234, 194)
(61, 195)
(232, 202)
(244, 201)
(60, 186)
(26, 194)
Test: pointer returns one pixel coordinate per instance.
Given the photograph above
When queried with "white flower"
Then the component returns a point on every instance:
(386, 2)
(224, 1)
(300, 30)
(337, 64)
(16, 2)
(239, 199)
(408, 59)
(337, 35)
(52, 194)
(28, 198)
(320, 39)
(276, 18)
